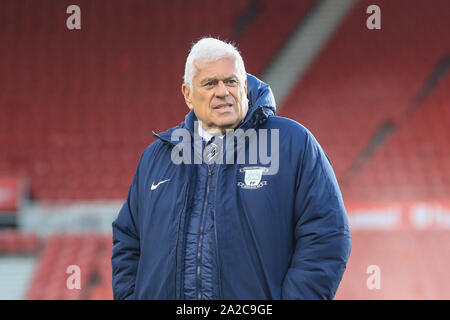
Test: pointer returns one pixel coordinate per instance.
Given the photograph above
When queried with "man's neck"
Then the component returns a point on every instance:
(208, 134)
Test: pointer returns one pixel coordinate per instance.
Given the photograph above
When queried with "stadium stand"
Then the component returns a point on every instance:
(287, 14)
(91, 253)
(413, 164)
(363, 78)
(89, 100)
(17, 242)
(82, 106)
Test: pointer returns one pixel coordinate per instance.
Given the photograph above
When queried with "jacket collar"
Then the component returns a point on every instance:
(255, 117)
(261, 105)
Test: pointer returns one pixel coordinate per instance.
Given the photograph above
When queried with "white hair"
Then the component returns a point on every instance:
(211, 49)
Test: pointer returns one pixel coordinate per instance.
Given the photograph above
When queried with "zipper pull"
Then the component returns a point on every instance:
(209, 170)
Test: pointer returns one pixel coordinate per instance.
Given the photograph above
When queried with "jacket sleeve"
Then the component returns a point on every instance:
(322, 234)
(126, 248)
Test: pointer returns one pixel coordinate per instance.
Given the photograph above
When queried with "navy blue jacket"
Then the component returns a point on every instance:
(215, 231)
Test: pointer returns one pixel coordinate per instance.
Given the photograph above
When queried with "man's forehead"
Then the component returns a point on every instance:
(219, 69)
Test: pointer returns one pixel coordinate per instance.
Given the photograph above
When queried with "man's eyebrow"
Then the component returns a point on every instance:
(207, 80)
(233, 77)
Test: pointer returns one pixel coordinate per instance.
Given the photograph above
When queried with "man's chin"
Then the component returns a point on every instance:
(226, 123)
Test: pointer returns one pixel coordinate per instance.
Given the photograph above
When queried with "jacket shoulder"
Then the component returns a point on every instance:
(288, 127)
(294, 133)
(151, 152)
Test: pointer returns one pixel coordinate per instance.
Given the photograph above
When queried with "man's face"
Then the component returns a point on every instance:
(217, 97)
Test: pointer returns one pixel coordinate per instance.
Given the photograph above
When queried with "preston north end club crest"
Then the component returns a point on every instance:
(252, 177)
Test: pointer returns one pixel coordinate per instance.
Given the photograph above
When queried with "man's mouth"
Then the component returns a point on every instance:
(223, 106)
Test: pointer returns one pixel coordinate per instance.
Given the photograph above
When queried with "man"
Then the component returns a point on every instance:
(205, 229)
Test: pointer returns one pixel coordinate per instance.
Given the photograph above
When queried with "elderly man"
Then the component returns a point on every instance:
(205, 229)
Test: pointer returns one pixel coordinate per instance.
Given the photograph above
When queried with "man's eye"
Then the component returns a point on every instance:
(232, 82)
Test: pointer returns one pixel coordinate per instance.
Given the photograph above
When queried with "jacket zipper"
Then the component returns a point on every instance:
(199, 248)
(178, 237)
(219, 293)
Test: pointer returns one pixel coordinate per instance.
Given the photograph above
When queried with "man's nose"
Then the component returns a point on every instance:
(221, 89)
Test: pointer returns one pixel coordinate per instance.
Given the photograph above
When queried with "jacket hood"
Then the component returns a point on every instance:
(261, 105)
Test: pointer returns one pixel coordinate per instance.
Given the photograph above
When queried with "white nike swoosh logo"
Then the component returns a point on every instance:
(153, 187)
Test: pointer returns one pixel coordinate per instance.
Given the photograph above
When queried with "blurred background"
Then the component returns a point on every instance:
(77, 109)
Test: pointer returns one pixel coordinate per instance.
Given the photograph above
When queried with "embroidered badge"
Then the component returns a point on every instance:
(252, 177)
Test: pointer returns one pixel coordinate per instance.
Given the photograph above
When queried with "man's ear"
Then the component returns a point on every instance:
(245, 87)
(186, 90)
